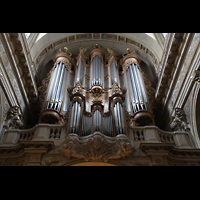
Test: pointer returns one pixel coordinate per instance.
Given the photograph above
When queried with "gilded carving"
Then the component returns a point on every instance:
(77, 88)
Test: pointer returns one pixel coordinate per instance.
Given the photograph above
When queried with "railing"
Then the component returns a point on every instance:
(38, 132)
(152, 134)
(57, 133)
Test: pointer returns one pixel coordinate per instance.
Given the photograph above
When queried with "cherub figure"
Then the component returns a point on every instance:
(82, 49)
(123, 148)
(70, 148)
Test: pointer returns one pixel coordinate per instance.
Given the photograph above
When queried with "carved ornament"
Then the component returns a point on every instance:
(14, 120)
(97, 147)
(97, 91)
(81, 55)
(179, 121)
(129, 59)
(96, 51)
(42, 90)
(112, 56)
(150, 91)
(64, 57)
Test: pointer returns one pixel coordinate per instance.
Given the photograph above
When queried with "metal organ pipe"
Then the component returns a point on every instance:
(119, 120)
(75, 118)
(79, 76)
(72, 118)
(138, 86)
(55, 85)
(50, 88)
(75, 112)
(62, 88)
(57, 96)
(96, 71)
(122, 118)
(78, 118)
(135, 92)
(113, 72)
(116, 120)
(142, 88)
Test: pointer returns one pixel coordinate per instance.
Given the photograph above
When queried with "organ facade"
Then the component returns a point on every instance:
(99, 99)
(97, 94)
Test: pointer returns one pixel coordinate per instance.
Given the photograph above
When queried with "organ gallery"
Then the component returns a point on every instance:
(98, 100)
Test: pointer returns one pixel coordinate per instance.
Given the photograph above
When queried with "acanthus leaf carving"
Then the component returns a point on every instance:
(42, 90)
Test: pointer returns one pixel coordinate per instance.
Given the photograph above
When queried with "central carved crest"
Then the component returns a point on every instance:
(97, 147)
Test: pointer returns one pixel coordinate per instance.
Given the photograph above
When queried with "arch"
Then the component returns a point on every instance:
(81, 162)
(46, 47)
(93, 164)
(147, 40)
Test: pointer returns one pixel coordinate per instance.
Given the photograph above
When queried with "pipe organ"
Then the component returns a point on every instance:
(96, 95)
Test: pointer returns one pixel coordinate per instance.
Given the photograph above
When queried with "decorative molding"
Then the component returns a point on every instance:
(97, 147)
(99, 36)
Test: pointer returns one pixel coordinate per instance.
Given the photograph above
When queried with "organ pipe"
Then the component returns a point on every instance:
(62, 90)
(96, 71)
(112, 90)
(137, 92)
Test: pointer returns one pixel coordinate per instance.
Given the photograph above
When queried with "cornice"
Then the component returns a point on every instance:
(170, 150)
(25, 146)
(24, 65)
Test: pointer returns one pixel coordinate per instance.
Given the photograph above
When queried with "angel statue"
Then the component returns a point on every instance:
(14, 120)
(110, 51)
(179, 122)
(82, 49)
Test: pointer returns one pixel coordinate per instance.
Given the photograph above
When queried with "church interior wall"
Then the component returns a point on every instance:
(173, 139)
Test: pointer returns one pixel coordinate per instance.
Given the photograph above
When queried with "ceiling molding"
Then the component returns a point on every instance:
(94, 36)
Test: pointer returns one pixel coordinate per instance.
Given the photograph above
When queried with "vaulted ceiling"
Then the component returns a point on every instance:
(148, 46)
(147, 40)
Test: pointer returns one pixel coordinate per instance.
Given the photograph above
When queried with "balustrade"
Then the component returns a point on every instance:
(147, 134)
